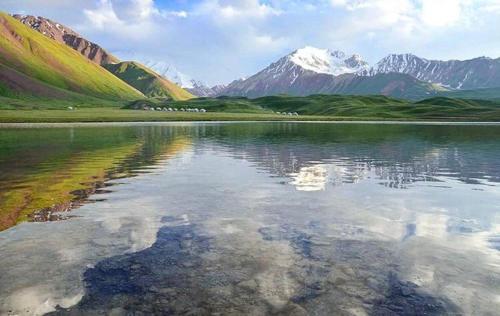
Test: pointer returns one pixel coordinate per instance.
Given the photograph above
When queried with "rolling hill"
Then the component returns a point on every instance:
(36, 65)
(147, 81)
(477, 94)
(353, 106)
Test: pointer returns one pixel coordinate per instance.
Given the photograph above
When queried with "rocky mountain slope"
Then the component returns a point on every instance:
(65, 35)
(477, 73)
(315, 71)
(147, 81)
(34, 64)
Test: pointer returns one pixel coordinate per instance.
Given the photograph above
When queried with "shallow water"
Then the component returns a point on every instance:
(250, 218)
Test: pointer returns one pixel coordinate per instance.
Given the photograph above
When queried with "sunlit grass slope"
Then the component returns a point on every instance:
(42, 59)
(147, 81)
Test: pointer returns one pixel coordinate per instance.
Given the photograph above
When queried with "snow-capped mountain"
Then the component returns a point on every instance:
(482, 72)
(312, 70)
(170, 72)
(196, 87)
(326, 61)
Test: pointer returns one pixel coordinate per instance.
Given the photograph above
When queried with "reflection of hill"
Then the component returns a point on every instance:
(55, 190)
(60, 181)
(397, 155)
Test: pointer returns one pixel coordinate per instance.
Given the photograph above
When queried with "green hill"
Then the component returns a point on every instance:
(395, 85)
(35, 65)
(483, 94)
(147, 81)
(350, 106)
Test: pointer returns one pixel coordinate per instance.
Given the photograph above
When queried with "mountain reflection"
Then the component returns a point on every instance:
(315, 156)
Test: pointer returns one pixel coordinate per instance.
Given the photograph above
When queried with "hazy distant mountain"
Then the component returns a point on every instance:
(311, 71)
(65, 35)
(481, 72)
(195, 87)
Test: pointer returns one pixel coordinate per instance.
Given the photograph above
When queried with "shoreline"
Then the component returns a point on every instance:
(160, 123)
(10, 118)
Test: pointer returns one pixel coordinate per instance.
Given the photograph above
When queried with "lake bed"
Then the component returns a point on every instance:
(250, 218)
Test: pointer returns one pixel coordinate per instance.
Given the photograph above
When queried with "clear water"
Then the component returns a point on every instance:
(250, 218)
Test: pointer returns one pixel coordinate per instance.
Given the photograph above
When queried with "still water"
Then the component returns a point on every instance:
(250, 218)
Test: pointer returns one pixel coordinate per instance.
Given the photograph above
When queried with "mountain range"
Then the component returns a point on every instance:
(40, 57)
(477, 73)
(312, 70)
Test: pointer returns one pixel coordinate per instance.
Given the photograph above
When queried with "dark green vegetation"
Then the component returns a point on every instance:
(147, 81)
(359, 107)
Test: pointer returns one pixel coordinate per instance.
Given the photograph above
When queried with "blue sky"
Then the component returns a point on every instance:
(220, 40)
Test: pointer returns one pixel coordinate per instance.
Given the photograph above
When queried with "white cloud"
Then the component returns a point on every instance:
(406, 14)
(237, 9)
(180, 14)
(133, 10)
(440, 13)
(102, 15)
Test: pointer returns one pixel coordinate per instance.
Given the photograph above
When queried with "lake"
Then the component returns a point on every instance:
(250, 218)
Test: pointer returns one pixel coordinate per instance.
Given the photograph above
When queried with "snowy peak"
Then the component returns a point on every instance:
(399, 63)
(326, 61)
(170, 72)
(195, 87)
(477, 73)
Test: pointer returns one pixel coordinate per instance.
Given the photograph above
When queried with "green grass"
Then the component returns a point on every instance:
(36, 103)
(312, 108)
(147, 81)
(39, 57)
(120, 115)
(483, 94)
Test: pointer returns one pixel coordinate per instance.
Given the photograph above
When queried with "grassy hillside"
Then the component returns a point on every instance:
(312, 105)
(483, 94)
(147, 81)
(18, 91)
(362, 107)
(395, 85)
(49, 66)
